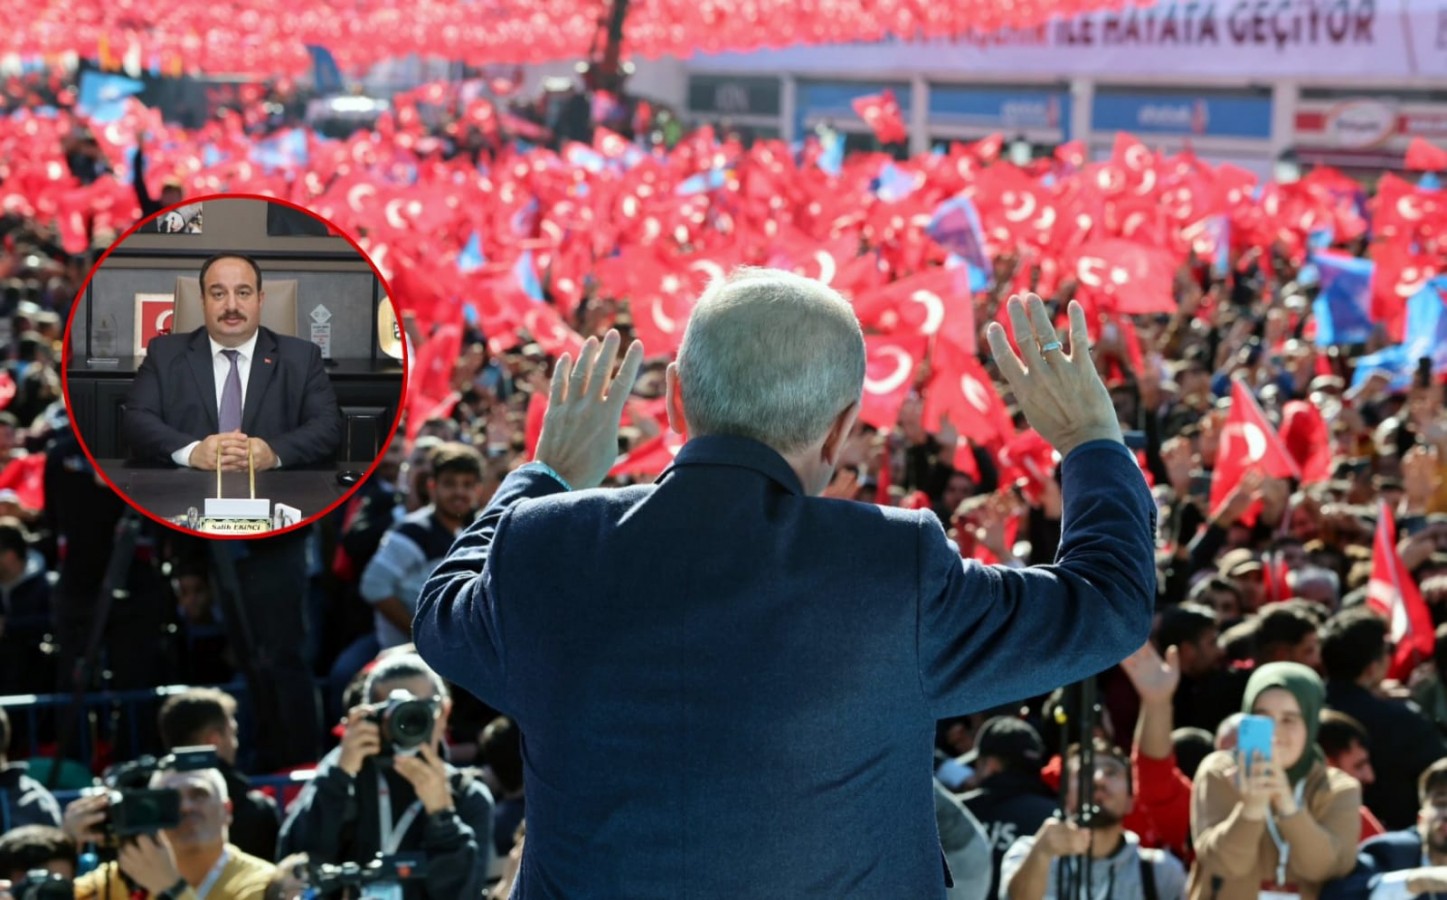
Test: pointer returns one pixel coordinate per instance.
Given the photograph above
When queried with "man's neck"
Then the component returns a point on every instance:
(195, 863)
(451, 523)
(1436, 858)
(1368, 681)
(1105, 842)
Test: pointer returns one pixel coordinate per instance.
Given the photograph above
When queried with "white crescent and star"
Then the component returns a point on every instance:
(974, 393)
(903, 365)
(934, 310)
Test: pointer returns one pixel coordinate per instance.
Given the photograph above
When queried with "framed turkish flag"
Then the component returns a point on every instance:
(153, 317)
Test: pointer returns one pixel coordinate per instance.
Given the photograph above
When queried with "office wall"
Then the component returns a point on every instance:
(328, 270)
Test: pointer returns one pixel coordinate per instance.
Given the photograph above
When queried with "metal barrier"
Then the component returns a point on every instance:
(126, 718)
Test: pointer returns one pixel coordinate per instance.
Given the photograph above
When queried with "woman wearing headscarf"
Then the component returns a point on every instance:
(1279, 827)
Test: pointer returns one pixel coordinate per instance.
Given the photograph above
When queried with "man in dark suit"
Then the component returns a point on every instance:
(232, 388)
(1407, 863)
(727, 686)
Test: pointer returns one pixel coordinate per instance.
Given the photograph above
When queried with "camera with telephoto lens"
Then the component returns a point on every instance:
(42, 884)
(405, 722)
(397, 868)
(136, 807)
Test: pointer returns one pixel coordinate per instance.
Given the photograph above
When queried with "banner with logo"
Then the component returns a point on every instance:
(1259, 39)
(1007, 109)
(1367, 122)
(1182, 113)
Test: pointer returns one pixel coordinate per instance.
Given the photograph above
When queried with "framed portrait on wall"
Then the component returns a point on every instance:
(154, 315)
(186, 219)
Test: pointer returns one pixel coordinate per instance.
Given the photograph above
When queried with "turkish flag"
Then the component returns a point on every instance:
(430, 383)
(533, 429)
(881, 113)
(7, 388)
(650, 457)
(1392, 593)
(1072, 154)
(1126, 277)
(1138, 164)
(1304, 432)
(1030, 457)
(1425, 157)
(917, 305)
(1247, 442)
(889, 370)
(1396, 277)
(960, 387)
(26, 477)
(547, 328)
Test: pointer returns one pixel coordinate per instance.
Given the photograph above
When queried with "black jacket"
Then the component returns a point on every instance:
(255, 822)
(1009, 805)
(25, 801)
(1404, 742)
(335, 820)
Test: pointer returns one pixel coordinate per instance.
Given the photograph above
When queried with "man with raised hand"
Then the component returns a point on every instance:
(727, 685)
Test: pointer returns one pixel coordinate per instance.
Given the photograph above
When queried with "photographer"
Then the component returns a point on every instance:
(24, 850)
(372, 796)
(207, 716)
(192, 861)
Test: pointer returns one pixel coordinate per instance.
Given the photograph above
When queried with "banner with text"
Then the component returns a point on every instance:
(1333, 39)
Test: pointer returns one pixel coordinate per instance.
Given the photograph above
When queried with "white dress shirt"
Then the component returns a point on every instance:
(221, 370)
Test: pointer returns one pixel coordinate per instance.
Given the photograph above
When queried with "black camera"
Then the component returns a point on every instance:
(42, 884)
(405, 722)
(136, 807)
(397, 869)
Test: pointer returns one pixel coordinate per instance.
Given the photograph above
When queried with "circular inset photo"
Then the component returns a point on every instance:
(237, 371)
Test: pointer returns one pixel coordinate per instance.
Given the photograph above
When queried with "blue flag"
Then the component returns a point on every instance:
(956, 227)
(471, 258)
(584, 157)
(702, 183)
(103, 96)
(326, 77)
(893, 184)
(831, 161)
(979, 278)
(526, 273)
(1426, 332)
(1426, 335)
(285, 150)
(1342, 307)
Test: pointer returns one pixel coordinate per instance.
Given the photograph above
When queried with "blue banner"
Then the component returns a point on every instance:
(1005, 110)
(1194, 113)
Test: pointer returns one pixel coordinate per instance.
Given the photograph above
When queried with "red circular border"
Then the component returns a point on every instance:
(85, 448)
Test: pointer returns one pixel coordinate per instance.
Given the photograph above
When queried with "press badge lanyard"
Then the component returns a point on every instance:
(392, 835)
(1283, 849)
(212, 876)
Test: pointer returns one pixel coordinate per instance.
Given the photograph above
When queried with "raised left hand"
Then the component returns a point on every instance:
(428, 776)
(1155, 679)
(149, 862)
(585, 405)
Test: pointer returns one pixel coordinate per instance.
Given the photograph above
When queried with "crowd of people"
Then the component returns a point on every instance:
(1271, 588)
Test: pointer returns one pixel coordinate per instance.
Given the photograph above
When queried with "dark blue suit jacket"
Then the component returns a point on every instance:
(1390, 852)
(729, 689)
(290, 402)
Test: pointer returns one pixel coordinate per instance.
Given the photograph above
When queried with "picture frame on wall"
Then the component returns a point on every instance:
(185, 219)
(155, 313)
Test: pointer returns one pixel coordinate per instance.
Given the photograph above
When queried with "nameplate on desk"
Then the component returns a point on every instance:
(103, 362)
(217, 525)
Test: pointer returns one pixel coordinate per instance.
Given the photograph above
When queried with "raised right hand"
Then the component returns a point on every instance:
(1058, 838)
(1061, 393)
(361, 739)
(84, 816)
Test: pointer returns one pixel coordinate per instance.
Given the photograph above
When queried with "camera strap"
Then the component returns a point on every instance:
(391, 835)
(214, 875)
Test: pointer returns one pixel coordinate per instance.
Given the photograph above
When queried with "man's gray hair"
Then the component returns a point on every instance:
(772, 356)
(397, 667)
(213, 778)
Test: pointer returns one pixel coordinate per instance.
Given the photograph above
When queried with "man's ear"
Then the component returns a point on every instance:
(839, 433)
(673, 399)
